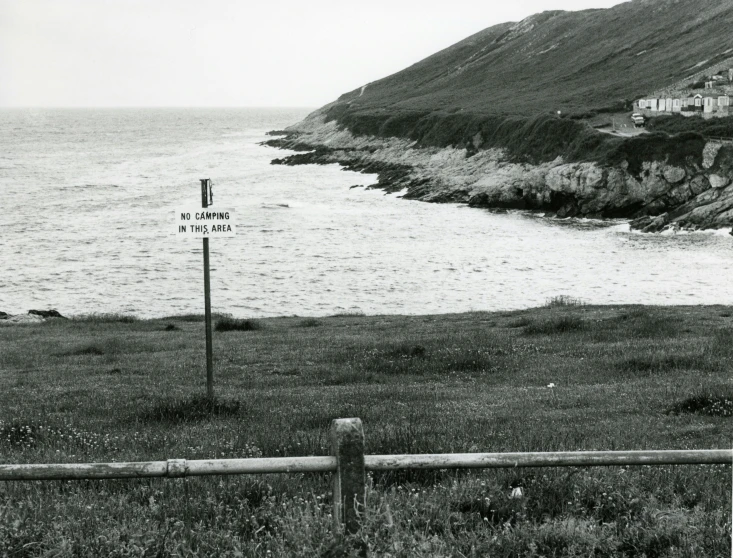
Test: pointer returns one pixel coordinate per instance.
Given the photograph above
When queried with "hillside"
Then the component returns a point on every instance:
(568, 61)
(508, 118)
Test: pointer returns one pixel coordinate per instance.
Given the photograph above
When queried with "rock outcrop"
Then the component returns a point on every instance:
(32, 317)
(22, 319)
(46, 313)
(655, 194)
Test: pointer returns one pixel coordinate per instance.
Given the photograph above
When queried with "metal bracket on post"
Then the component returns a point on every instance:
(349, 481)
(205, 192)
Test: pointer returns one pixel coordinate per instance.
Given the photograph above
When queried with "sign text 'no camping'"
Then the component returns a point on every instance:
(205, 223)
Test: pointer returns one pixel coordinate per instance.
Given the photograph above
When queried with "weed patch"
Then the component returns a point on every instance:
(310, 322)
(709, 405)
(21, 434)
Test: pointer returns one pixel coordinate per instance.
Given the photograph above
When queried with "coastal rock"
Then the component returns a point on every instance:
(709, 153)
(717, 181)
(46, 313)
(668, 194)
(674, 174)
(23, 319)
(4, 315)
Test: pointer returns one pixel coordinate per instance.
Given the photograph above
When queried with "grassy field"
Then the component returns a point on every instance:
(105, 388)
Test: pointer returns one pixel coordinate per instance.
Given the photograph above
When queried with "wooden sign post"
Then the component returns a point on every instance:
(199, 223)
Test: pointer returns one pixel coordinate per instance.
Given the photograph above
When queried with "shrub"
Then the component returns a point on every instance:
(676, 124)
(310, 322)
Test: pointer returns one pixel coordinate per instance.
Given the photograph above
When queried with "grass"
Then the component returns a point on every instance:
(626, 377)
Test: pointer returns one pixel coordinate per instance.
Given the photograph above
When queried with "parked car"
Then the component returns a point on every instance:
(638, 120)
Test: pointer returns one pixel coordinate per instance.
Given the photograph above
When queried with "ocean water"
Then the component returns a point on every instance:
(87, 226)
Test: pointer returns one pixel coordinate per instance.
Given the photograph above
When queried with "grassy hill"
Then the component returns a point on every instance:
(503, 87)
(569, 61)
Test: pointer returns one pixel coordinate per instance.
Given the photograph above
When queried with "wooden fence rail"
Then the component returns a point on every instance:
(350, 465)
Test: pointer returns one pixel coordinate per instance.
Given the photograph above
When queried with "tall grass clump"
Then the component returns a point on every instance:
(563, 300)
(108, 346)
(555, 325)
(362, 363)
(232, 324)
(663, 362)
(190, 409)
(105, 318)
(645, 323)
(349, 314)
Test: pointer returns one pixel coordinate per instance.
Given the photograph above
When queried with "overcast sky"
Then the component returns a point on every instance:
(88, 53)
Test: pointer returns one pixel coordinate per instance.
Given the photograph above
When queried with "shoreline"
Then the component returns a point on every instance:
(655, 195)
(553, 302)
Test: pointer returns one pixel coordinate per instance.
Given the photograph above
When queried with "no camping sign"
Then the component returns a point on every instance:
(205, 222)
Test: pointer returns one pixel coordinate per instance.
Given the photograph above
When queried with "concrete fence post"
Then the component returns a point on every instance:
(349, 481)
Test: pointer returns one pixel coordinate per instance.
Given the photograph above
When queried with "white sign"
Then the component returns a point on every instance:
(208, 222)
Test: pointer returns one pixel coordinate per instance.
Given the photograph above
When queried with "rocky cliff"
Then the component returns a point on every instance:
(689, 193)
